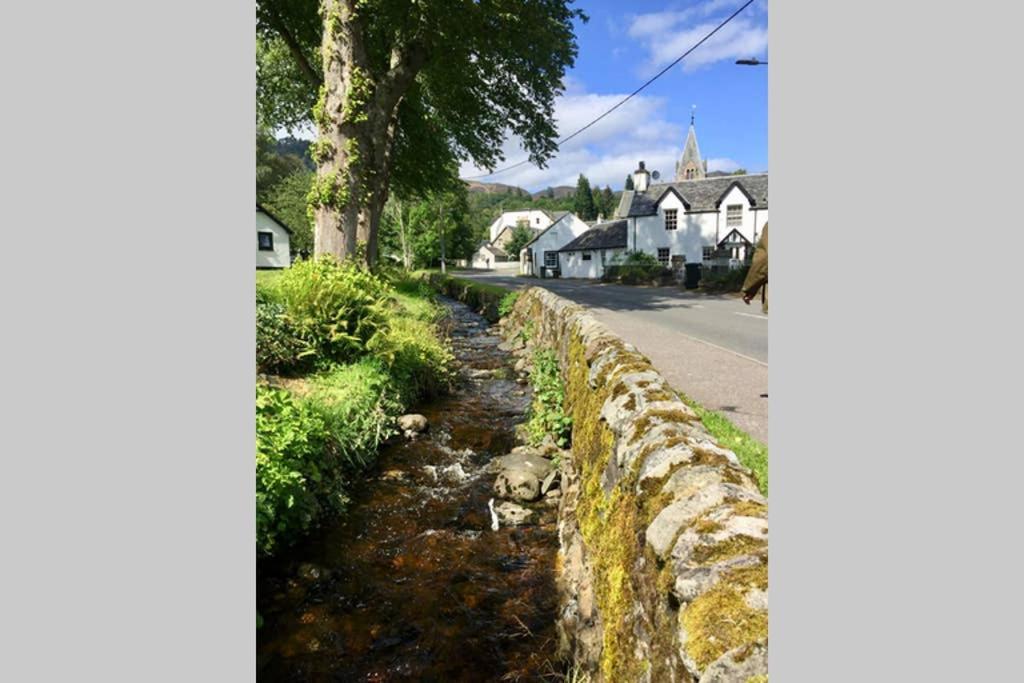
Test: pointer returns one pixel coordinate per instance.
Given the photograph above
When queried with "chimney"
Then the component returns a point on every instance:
(641, 179)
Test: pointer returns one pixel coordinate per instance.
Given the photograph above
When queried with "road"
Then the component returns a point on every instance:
(713, 348)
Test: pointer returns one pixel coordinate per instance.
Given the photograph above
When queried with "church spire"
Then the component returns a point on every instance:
(690, 165)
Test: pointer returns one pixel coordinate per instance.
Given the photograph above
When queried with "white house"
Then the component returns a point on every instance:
(535, 219)
(540, 255)
(272, 241)
(489, 256)
(712, 221)
(588, 254)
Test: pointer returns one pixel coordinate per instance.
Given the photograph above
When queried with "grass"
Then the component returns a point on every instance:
(265, 277)
(752, 453)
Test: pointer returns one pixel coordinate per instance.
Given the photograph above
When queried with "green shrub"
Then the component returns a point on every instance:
(636, 267)
(507, 303)
(418, 360)
(290, 443)
(547, 412)
(335, 309)
(358, 404)
(279, 349)
(724, 279)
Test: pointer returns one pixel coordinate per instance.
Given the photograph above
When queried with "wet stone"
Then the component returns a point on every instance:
(412, 423)
(516, 484)
(510, 514)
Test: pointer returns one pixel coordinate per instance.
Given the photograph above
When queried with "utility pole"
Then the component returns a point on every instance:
(440, 221)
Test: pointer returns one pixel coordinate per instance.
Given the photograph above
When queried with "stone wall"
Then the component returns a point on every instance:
(663, 559)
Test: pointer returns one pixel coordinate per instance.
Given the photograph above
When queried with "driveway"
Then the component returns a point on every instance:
(714, 348)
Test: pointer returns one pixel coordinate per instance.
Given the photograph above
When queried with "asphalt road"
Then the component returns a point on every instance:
(713, 348)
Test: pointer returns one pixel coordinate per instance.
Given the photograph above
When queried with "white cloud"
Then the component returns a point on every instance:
(723, 164)
(666, 35)
(606, 152)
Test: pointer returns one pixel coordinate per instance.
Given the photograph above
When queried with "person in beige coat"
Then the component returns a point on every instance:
(757, 276)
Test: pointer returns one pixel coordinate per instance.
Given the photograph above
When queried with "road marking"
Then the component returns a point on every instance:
(752, 315)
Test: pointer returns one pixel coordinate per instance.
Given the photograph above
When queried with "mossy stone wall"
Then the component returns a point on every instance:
(664, 549)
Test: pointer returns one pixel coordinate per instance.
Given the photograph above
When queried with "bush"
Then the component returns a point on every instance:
(278, 347)
(724, 279)
(418, 360)
(290, 442)
(547, 413)
(636, 268)
(507, 303)
(335, 309)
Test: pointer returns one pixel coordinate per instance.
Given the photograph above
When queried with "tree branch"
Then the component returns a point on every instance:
(308, 72)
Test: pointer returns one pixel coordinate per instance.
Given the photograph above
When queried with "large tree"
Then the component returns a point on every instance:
(407, 88)
(583, 204)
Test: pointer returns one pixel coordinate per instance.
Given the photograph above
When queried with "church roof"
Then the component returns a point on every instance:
(701, 195)
(690, 151)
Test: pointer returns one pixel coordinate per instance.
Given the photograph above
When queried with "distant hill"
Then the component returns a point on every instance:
(558, 192)
(495, 188)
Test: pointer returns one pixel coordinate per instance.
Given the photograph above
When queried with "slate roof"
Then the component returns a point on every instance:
(607, 235)
(497, 251)
(701, 195)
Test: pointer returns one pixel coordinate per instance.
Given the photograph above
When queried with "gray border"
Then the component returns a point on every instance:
(893, 505)
(127, 488)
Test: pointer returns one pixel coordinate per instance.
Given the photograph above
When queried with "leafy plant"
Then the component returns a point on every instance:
(507, 303)
(335, 309)
(290, 440)
(547, 412)
(278, 347)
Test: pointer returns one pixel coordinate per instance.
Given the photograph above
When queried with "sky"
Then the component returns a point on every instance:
(622, 46)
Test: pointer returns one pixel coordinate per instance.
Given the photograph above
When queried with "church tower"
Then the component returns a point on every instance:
(690, 166)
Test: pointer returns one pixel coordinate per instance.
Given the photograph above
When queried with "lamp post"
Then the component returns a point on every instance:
(751, 62)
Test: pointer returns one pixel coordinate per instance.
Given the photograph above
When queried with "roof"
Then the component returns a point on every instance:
(497, 251)
(690, 151)
(559, 215)
(607, 235)
(702, 195)
(274, 218)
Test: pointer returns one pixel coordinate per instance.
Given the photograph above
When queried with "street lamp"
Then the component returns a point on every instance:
(751, 62)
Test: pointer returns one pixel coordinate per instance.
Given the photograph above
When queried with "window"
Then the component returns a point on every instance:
(663, 257)
(538, 221)
(551, 259)
(266, 241)
(586, 256)
(671, 218)
(734, 215)
(709, 253)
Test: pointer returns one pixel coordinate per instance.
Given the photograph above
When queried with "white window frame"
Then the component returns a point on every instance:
(550, 259)
(668, 256)
(674, 213)
(586, 256)
(709, 252)
(270, 237)
(734, 216)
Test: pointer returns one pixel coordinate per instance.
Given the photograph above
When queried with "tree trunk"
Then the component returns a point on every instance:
(357, 120)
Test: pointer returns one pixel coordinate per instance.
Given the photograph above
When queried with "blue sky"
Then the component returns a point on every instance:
(622, 46)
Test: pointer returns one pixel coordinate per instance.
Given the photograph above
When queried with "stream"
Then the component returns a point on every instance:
(411, 583)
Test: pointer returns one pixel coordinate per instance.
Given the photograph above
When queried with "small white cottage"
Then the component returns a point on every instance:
(272, 241)
(539, 256)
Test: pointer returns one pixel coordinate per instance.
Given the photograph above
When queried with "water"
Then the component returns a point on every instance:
(412, 584)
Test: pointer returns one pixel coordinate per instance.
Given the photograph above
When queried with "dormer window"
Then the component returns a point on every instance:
(734, 215)
(671, 219)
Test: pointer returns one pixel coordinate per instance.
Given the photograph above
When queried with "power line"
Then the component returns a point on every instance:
(627, 97)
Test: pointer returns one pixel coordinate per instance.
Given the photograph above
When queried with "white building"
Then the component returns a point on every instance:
(535, 219)
(588, 254)
(272, 241)
(713, 221)
(540, 255)
(489, 257)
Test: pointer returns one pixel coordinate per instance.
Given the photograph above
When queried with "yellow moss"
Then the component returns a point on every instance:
(750, 508)
(703, 525)
(760, 678)
(734, 546)
(660, 416)
(720, 620)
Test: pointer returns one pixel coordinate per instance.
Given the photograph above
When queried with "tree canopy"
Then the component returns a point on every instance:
(583, 203)
(420, 86)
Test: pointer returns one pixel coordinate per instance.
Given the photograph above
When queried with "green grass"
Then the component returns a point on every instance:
(265, 277)
(752, 453)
